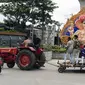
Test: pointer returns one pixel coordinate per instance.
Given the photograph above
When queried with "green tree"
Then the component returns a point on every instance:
(16, 13)
(38, 12)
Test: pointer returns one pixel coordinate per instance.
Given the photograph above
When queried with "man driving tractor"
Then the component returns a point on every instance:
(29, 42)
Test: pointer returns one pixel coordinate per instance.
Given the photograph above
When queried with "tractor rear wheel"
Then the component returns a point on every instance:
(41, 61)
(11, 64)
(25, 60)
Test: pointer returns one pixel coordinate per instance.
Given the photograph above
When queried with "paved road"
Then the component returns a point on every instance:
(45, 76)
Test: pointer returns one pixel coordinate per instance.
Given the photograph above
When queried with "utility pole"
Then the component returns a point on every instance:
(43, 20)
(58, 24)
(32, 26)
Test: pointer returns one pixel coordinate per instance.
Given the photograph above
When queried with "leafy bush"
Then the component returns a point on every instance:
(54, 48)
(11, 31)
(61, 50)
(1, 29)
(46, 47)
(57, 48)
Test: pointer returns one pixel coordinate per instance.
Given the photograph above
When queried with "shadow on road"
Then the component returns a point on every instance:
(17, 69)
(74, 71)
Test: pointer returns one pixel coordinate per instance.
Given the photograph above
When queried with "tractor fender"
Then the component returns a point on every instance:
(39, 51)
(32, 49)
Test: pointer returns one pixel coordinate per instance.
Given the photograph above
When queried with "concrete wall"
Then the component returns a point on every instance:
(58, 55)
(53, 55)
(48, 55)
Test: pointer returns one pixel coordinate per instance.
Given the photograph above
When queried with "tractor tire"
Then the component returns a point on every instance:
(36, 66)
(41, 61)
(25, 60)
(2, 62)
(11, 64)
(0, 69)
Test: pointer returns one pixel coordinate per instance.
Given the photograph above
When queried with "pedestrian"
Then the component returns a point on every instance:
(76, 49)
(69, 51)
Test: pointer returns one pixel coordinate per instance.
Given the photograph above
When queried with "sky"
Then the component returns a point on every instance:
(65, 10)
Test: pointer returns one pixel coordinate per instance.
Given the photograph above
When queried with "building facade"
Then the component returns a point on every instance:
(49, 34)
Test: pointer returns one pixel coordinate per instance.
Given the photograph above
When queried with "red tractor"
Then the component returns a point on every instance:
(26, 58)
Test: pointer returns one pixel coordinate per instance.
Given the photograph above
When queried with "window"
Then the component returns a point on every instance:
(10, 41)
(4, 40)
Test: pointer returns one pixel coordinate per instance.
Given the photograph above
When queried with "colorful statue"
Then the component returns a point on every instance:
(74, 26)
(71, 29)
(81, 32)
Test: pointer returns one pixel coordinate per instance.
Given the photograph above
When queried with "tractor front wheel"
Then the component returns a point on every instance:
(41, 61)
(0, 69)
(10, 64)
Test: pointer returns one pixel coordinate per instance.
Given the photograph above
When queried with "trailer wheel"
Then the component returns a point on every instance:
(11, 64)
(64, 67)
(61, 69)
(25, 60)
